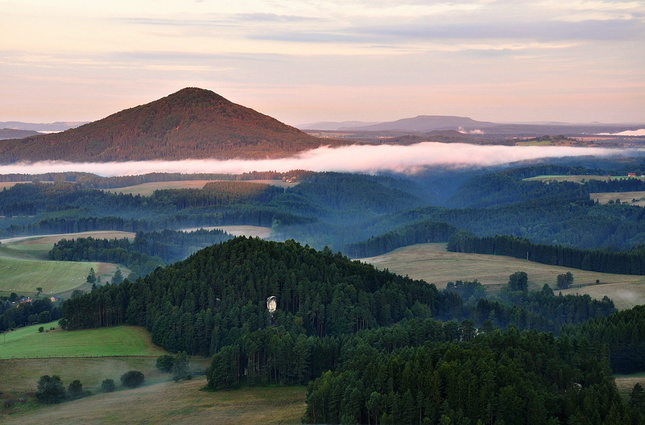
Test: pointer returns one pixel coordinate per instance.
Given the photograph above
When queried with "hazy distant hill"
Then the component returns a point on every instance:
(192, 123)
(427, 123)
(42, 127)
(437, 125)
(10, 133)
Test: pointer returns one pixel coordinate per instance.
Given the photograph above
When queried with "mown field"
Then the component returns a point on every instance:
(432, 263)
(175, 403)
(24, 265)
(116, 341)
(632, 198)
(147, 189)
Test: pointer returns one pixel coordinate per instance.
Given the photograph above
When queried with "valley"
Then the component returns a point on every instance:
(331, 297)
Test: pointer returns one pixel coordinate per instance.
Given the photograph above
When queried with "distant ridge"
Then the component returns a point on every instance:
(12, 133)
(40, 127)
(428, 123)
(191, 123)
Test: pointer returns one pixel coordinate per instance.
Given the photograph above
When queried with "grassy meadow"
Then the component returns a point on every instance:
(24, 265)
(115, 341)
(432, 263)
(147, 189)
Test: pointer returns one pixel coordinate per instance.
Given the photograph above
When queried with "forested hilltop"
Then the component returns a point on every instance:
(377, 347)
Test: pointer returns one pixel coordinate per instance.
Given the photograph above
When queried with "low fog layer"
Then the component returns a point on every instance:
(359, 159)
(640, 132)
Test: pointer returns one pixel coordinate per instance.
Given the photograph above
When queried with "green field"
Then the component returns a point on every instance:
(432, 263)
(116, 341)
(24, 265)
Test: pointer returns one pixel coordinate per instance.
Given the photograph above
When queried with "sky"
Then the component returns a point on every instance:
(307, 61)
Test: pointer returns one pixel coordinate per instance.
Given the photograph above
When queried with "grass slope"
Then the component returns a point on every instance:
(24, 265)
(116, 341)
(432, 263)
(176, 403)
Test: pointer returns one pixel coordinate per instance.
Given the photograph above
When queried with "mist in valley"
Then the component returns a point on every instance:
(352, 159)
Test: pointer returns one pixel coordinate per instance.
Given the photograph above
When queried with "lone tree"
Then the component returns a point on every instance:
(565, 280)
(91, 278)
(518, 281)
(180, 368)
(132, 379)
(118, 276)
(50, 389)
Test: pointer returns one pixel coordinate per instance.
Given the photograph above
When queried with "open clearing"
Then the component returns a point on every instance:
(578, 178)
(432, 263)
(24, 265)
(115, 341)
(52, 239)
(632, 198)
(176, 403)
(147, 189)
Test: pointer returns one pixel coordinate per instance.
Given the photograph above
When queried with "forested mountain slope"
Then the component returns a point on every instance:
(192, 123)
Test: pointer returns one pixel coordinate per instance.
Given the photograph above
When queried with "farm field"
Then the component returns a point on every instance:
(632, 198)
(114, 341)
(576, 178)
(176, 403)
(24, 265)
(147, 189)
(432, 263)
(115, 351)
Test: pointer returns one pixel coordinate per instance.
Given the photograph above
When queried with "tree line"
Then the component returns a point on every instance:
(605, 261)
(144, 253)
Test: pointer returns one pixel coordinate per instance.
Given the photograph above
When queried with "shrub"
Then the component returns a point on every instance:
(75, 389)
(50, 389)
(107, 386)
(132, 379)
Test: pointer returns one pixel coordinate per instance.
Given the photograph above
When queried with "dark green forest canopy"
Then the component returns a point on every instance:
(342, 210)
(219, 294)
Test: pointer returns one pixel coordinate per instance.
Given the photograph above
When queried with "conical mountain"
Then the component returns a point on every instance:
(191, 123)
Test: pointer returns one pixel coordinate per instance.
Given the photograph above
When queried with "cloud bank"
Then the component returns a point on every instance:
(640, 132)
(355, 158)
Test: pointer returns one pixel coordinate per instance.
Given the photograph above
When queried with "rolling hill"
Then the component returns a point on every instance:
(191, 123)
